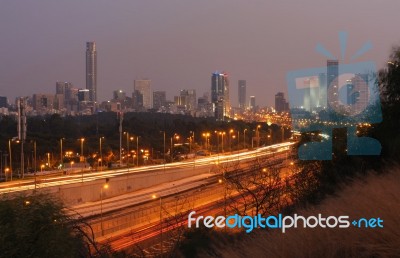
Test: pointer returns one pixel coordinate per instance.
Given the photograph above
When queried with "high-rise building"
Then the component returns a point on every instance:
(3, 102)
(242, 94)
(83, 95)
(119, 95)
(91, 70)
(43, 102)
(252, 103)
(333, 83)
(322, 90)
(159, 99)
(144, 87)
(64, 88)
(188, 99)
(137, 99)
(358, 94)
(280, 103)
(220, 95)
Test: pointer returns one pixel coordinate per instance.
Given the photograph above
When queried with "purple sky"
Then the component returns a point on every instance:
(179, 43)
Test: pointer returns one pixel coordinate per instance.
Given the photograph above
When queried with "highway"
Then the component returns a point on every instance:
(50, 181)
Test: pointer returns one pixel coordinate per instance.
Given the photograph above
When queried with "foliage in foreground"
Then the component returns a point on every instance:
(38, 226)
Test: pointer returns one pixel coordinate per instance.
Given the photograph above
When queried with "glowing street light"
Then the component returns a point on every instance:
(82, 140)
(154, 196)
(101, 153)
(105, 187)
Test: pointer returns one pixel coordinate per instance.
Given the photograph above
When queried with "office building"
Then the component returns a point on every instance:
(3, 102)
(137, 100)
(242, 94)
(252, 103)
(83, 95)
(220, 95)
(333, 83)
(188, 99)
(281, 105)
(323, 97)
(119, 95)
(159, 99)
(358, 94)
(91, 70)
(144, 87)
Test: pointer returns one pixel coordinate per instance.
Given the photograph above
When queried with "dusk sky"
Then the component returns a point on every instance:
(178, 44)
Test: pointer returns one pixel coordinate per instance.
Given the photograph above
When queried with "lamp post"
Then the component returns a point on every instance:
(207, 135)
(161, 225)
(127, 149)
(9, 150)
(105, 186)
(164, 149)
(230, 139)
(61, 152)
(82, 140)
(244, 138)
(222, 140)
(137, 151)
(1, 166)
(101, 153)
(258, 135)
(35, 165)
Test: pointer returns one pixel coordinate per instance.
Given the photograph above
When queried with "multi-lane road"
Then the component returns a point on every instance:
(57, 180)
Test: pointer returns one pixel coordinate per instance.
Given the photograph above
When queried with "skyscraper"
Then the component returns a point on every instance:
(91, 70)
(242, 94)
(358, 95)
(144, 87)
(220, 95)
(333, 83)
(189, 99)
(159, 99)
(253, 103)
(280, 103)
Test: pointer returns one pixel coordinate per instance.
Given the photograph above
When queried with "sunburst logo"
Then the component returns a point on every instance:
(337, 95)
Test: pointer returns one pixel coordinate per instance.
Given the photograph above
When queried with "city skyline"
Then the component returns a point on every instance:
(173, 49)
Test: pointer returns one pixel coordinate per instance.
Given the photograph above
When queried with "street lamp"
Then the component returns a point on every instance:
(206, 135)
(9, 150)
(230, 139)
(105, 187)
(244, 138)
(61, 152)
(6, 170)
(164, 149)
(137, 151)
(258, 135)
(101, 153)
(82, 158)
(161, 225)
(222, 140)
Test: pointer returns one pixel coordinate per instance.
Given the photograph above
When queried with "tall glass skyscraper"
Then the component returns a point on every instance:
(242, 94)
(220, 95)
(91, 70)
(333, 83)
(144, 87)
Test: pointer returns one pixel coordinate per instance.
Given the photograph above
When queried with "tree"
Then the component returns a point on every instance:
(37, 226)
(389, 84)
(255, 189)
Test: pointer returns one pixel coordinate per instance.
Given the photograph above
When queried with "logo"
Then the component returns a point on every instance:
(249, 223)
(338, 95)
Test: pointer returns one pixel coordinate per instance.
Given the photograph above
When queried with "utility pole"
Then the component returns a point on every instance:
(22, 131)
(121, 118)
